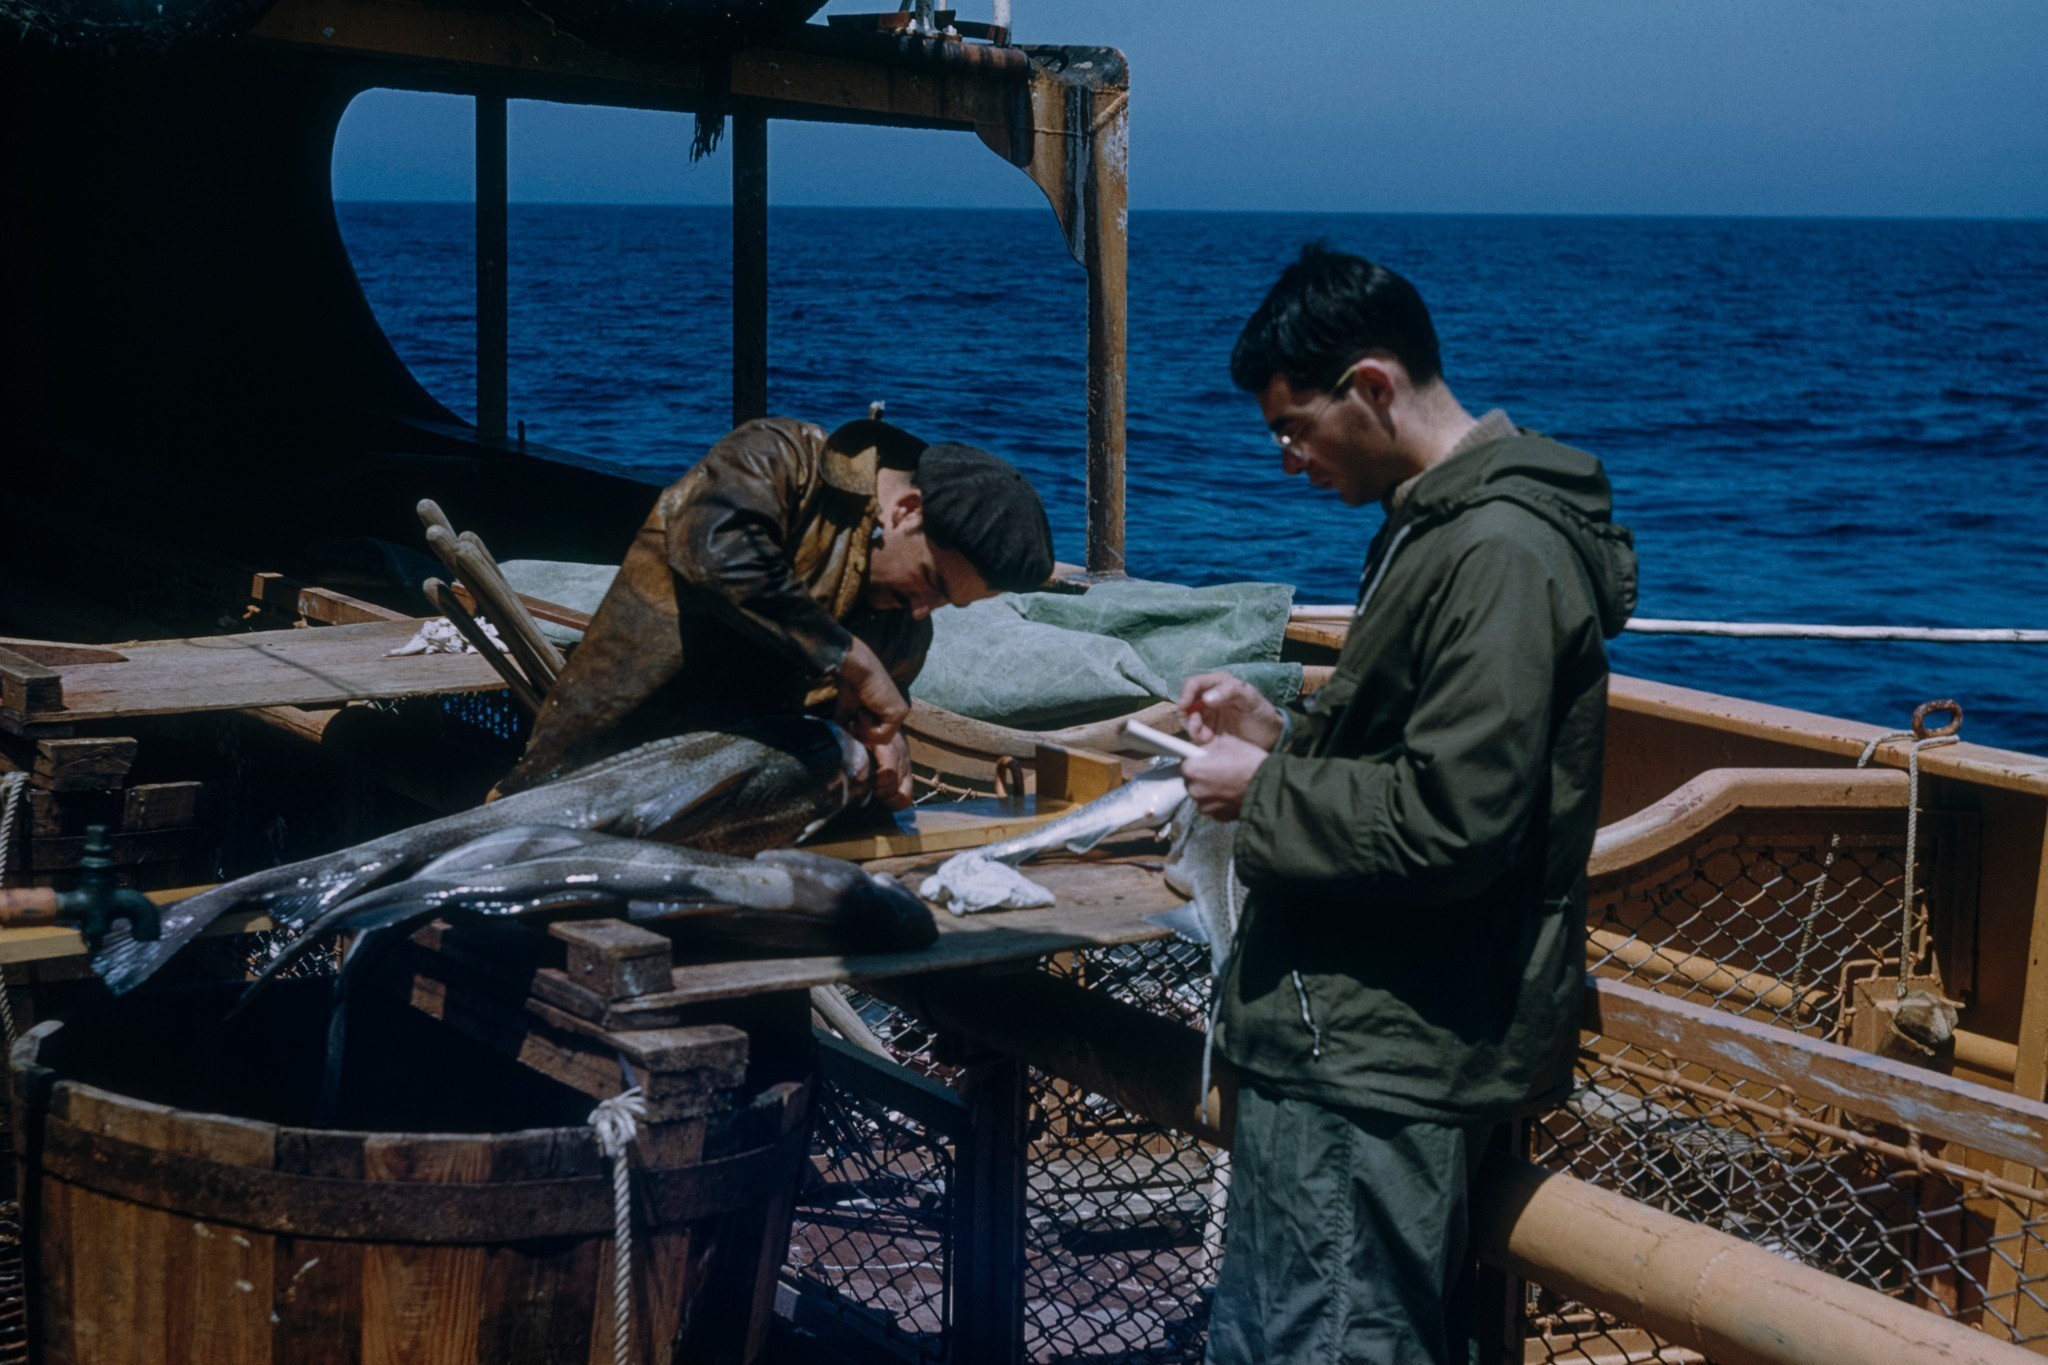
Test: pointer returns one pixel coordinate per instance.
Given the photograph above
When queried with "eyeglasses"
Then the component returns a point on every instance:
(1286, 440)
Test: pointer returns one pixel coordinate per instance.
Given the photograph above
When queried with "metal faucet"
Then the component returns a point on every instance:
(93, 905)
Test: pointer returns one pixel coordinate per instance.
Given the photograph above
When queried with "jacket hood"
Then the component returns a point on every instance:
(1566, 487)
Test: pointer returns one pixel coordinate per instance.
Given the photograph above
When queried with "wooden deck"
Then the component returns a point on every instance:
(323, 666)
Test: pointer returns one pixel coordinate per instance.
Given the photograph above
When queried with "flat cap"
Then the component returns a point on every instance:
(978, 504)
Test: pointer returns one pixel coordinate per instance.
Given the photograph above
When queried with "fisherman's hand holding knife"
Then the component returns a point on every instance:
(872, 709)
(1237, 729)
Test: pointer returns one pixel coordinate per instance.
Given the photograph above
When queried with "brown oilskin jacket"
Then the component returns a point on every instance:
(739, 597)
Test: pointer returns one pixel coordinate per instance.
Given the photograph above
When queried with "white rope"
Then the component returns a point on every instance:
(13, 791)
(1780, 630)
(1912, 852)
(617, 1122)
(1907, 892)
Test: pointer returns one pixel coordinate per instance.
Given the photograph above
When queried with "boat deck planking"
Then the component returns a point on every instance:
(321, 666)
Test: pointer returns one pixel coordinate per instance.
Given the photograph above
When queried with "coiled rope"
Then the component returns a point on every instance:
(13, 791)
(617, 1122)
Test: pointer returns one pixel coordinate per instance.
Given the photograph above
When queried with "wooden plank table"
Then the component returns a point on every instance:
(1102, 903)
(321, 666)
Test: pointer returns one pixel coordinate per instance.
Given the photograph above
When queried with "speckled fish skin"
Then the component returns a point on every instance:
(1147, 801)
(1202, 867)
(759, 785)
(783, 899)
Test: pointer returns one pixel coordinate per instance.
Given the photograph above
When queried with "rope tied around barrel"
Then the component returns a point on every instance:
(616, 1122)
(1922, 738)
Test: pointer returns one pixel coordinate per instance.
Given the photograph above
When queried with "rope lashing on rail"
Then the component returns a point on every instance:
(13, 791)
(617, 1122)
(1923, 738)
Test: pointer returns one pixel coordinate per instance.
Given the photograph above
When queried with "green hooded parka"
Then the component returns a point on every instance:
(1413, 942)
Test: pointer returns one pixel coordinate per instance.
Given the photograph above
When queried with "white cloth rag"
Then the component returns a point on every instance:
(439, 636)
(968, 883)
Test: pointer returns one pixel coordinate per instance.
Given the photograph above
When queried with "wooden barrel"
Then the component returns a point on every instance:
(180, 1207)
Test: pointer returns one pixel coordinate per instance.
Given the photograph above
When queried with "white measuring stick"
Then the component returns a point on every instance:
(1152, 741)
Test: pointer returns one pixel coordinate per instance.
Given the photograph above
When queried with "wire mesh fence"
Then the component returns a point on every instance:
(1122, 1216)
(1785, 919)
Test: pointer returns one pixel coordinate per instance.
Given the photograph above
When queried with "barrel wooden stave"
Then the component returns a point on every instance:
(130, 1276)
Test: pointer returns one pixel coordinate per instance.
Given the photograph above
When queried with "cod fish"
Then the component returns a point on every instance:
(759, 785)
(1202, 866)
(783, 899)
(986, 879)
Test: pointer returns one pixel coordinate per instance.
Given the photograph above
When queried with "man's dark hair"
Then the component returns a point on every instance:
(1329, 311)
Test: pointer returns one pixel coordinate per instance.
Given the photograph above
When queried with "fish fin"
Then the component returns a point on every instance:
(1183, 921)
(1088, 841)
(651, 817)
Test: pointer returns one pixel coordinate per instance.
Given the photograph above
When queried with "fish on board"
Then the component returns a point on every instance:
(1202, 865)
(782, 900)
(984, 878)
(761, 784)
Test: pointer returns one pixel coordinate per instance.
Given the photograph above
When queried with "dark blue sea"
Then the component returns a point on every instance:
(1805, 420)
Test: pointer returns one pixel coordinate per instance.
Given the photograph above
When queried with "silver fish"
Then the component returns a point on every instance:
(1202, 866)
(759, 785)
(782, 899)
(1147, 801)
(982, 878)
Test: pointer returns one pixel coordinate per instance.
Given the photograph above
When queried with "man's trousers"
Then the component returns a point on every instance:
(1346, 1238)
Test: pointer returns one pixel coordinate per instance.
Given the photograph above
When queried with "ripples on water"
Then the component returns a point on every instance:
(1835, 421)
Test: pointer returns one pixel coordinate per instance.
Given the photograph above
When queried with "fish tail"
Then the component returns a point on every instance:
(289, 895)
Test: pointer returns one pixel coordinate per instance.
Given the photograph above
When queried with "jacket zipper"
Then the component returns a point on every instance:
(1376, 577)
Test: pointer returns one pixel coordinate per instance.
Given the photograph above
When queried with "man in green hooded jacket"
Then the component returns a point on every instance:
(1408, 972)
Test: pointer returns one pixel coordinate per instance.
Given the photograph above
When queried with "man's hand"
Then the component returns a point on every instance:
(871, 706)
(1214, 704)
(1219, 776)
(892, 774)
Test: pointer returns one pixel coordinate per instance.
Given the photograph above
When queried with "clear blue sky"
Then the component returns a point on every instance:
(1827, 107)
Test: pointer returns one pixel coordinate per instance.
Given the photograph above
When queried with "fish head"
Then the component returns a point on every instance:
(873, 912)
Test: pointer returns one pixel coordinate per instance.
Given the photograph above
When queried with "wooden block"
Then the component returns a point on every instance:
(331, 608)
(127, 850)
(162, 805)
(717, 1048)
(614, 960)
(27, 686)
(82, 764)
(56, 815)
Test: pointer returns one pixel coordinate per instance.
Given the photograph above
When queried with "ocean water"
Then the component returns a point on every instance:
(1805, 420)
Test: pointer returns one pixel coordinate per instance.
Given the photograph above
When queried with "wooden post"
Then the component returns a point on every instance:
(491, 326)
(2024, 1264)
(749, 267)
(1108, 233)
(988, 1214)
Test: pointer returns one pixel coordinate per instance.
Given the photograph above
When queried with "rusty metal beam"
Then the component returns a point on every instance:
(813, 72)
(492, 326)
(749, 266)
(1075, 146)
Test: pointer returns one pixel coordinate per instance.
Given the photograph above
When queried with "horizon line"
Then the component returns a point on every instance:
(1763, 215)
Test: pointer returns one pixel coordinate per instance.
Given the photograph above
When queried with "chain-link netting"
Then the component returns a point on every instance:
(1939, 1227)
(1789, 919)
(1761, 919)
(1122, 1216)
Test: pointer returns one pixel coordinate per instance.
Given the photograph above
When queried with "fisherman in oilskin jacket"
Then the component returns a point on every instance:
(1407, 976)
(791, 571)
